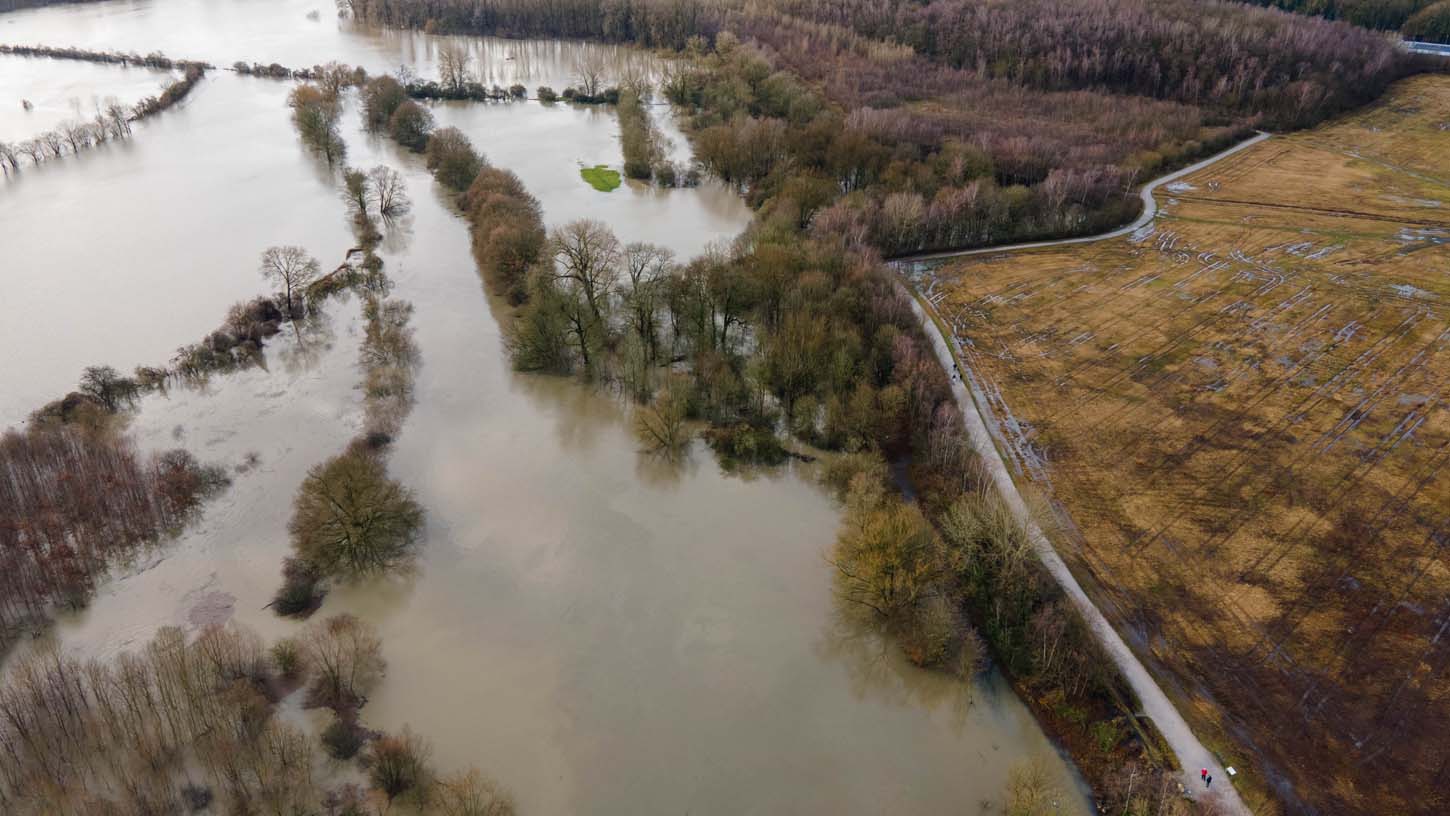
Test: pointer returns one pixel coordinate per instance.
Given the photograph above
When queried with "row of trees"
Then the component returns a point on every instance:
(112, 120)
(350, 519)
(155, 59)
(184, 727)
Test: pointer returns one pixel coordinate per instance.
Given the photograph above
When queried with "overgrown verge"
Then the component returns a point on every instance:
(180, 727)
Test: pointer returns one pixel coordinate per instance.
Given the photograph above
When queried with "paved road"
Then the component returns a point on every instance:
(1191, 753)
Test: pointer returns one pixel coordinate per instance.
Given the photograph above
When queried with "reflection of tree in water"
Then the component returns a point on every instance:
(303, 342)
(497, 61)
(877, 669)
(654, 470)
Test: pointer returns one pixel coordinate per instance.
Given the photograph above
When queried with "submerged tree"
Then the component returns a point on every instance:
(388, 192)
(292, 269)
(452, 158)
(411, 125)
(315, 112)
(351, 519)
(381, 97)
(345, 657)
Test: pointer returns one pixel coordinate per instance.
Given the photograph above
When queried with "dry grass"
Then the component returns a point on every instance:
(1244, 415)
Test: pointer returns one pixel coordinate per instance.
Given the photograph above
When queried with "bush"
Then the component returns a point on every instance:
(351, 519)
(381, 97)
(300, 593)
(452, 159)
(547, 94)
(411, 125)
(342, 738)
(286, 657)
(398, 764)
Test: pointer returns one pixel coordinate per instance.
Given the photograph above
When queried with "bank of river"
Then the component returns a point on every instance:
(600, 630)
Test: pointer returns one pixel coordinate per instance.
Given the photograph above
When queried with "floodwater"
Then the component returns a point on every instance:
(66, 90)
(601, 631)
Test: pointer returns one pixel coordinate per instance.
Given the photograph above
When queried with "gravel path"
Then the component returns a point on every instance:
(1191, 753)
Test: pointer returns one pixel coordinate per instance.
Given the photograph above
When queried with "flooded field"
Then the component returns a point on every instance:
(600, 630)
(65, 90)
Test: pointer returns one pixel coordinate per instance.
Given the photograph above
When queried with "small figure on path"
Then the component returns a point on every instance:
(1203, 774)
(1208, 781)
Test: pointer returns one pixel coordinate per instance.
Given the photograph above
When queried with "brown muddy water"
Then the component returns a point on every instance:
(601, 631)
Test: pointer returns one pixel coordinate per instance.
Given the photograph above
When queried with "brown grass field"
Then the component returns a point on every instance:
(1242, 411)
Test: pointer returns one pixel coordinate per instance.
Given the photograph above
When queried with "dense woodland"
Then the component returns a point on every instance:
(1386, 15)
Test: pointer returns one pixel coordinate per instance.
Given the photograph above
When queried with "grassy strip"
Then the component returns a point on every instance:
(600, 177)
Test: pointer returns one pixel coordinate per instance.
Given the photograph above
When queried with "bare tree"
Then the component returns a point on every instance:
(53, 143)
(9, 157)
(472, 794)
(388, 192)
(33, 148)
(356, 192)
(591, 74)
(453, 63)
(587, 253)
(291, 268)
(647, 266)
(334, 77)
(119, 117)
(346, 660)
(76, 134)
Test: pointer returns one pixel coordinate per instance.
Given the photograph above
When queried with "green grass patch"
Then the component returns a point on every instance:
(600, 177)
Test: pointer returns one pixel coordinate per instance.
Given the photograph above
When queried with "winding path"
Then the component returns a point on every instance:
(1191, 753)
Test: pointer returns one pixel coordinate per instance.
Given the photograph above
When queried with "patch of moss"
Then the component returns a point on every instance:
(600, 177)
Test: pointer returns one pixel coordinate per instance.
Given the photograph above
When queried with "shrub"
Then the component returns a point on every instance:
(452, 159)
(300, 593)
(351, 519)
(411, 125)
(547, 94)
(381, 97)
(286, 657)
(342, 738)
(398, 764)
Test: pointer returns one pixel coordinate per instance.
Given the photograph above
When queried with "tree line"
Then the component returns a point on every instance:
(1382, 15)
(184, 726)
(350, 518)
